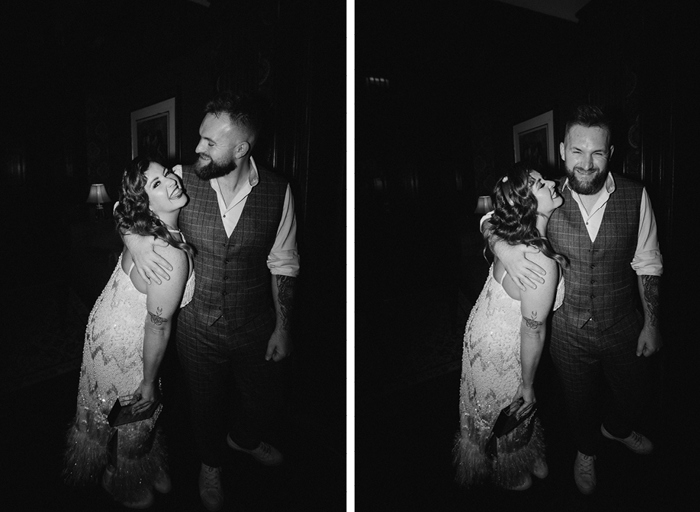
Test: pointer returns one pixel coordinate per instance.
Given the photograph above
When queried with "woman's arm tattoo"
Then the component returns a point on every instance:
(532, 323)
(156, 319)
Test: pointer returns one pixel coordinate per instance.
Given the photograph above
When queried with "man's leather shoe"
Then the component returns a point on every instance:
(210, 490)
(584, 473)
(265, 454)
(636, 442)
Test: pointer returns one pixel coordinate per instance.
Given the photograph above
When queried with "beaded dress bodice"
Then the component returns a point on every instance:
(113, 351)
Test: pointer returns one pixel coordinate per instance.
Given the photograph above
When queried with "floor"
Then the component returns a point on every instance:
(37, 417)
(404, 445)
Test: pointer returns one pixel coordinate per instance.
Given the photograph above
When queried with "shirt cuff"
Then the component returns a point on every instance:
(649, 263)
(285, 263)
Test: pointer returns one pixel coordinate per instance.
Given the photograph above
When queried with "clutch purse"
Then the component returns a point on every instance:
(506, 422)
(122, 411)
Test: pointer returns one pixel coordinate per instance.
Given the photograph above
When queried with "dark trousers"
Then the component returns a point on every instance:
(602, 377)
(232, 388)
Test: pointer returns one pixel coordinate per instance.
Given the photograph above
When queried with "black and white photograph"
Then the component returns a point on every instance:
(496, 141)
(362, 255)
(212, 135)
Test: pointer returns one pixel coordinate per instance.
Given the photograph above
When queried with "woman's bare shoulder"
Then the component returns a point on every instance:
(176, 257)
(550, 266)
(541, 259)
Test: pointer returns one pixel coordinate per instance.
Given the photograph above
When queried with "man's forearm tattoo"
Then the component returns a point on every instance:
(532, 323)
(156, 319)
(285, 297)
(651, 297)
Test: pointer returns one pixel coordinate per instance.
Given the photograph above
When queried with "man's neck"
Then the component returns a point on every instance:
(232, 182)
(589, 200)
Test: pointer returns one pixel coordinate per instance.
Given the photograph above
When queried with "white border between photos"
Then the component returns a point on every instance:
(350, 255)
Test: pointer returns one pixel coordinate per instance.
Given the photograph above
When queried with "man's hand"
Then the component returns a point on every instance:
(279, 346)
(149, 264)
(649, 341)
(520, 269)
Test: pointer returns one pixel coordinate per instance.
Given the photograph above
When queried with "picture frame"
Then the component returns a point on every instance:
(153, 130)
(533, 140)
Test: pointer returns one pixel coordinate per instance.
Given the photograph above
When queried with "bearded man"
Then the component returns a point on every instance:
(240, 218)
(607, 327)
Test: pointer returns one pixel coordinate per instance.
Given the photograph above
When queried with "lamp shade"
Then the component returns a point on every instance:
(483, 204)
(98, 194)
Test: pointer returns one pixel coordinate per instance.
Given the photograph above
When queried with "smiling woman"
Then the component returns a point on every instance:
(131, 323)
(165, 194)
(503, 342)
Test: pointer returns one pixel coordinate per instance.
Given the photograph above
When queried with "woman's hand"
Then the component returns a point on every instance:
(527, 393)
(146, 393)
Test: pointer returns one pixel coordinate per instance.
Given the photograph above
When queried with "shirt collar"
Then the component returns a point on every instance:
(254, 177)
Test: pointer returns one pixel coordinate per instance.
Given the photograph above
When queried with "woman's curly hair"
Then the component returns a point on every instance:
(514, 219)
(133, 215)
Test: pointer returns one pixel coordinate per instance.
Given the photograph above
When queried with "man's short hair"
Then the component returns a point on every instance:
(588, 116)
(244, 110)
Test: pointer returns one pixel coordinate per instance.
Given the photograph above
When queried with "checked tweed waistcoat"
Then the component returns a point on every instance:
(600, 283)
(233, 279)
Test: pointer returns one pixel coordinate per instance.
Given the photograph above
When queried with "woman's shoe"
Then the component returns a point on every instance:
(162, 483)
(145, 501)
(107, 477)
(540, 469)
(523, 486)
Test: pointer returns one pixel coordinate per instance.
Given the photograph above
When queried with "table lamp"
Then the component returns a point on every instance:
(483, 205)
(98, 195)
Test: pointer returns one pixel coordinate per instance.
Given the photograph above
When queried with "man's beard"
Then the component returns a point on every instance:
(213, 170)
(588, 187)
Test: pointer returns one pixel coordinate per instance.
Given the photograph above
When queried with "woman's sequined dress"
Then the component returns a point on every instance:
(113, 366)
(491, 374)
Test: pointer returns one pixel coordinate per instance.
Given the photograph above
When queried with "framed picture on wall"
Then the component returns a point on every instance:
(533, 140)
(153, 130)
